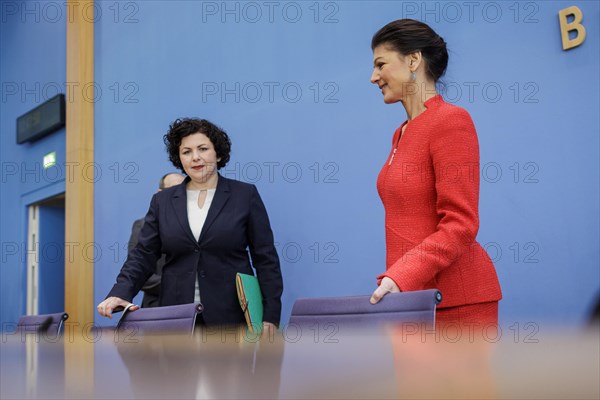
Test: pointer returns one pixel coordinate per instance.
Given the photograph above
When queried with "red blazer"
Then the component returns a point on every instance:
(430, 191)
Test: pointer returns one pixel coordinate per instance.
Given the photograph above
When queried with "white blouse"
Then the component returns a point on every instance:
(197, 218)
(197, 215)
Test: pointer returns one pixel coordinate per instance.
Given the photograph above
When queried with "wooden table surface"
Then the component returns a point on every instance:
(383, 363)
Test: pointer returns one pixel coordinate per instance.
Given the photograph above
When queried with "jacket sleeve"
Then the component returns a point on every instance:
(454, 151)
(152, 284)
(141, 259)
(264, 258)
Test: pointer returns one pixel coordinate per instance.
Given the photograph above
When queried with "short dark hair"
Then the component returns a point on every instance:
(183, 127)
(407, 36)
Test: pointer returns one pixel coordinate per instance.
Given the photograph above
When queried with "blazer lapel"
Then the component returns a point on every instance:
(179, 202)
(221, 196)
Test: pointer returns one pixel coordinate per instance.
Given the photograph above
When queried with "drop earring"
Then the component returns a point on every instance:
(413, 76)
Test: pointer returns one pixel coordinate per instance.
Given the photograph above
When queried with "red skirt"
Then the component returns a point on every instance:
(471, 316)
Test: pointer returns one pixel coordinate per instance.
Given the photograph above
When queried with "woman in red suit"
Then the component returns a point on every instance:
(429, 184)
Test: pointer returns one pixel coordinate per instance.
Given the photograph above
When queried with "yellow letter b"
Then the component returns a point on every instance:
(575, 25)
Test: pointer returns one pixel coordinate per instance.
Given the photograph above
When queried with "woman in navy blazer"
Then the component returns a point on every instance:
(203, 257)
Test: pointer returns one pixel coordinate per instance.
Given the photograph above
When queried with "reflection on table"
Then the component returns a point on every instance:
(394, 362)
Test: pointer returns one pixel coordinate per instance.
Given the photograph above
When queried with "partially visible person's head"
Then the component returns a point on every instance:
(408, 36)
(181, 128)
(170, 179)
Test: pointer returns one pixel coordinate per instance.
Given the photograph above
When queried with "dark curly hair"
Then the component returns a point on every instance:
(183, 127)
(407, 36)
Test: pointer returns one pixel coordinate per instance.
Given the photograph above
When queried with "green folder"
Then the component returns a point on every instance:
(251, 301)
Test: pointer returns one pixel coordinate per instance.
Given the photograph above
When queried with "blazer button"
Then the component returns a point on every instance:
(196, 250)
(202, 274)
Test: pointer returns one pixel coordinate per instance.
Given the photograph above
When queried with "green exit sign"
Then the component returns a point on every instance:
(50, 160)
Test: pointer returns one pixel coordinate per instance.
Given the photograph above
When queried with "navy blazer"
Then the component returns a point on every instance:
(151, 288)
(237, 224)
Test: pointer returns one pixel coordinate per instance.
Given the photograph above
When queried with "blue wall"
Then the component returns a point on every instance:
(32, 70)
(291, 87)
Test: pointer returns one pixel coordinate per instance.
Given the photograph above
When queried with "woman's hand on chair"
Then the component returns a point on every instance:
(386, 286)
(107, 307)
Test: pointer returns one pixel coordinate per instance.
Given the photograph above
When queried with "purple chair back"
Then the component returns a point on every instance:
(161, 320)
(357, 312)
(47, 324)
